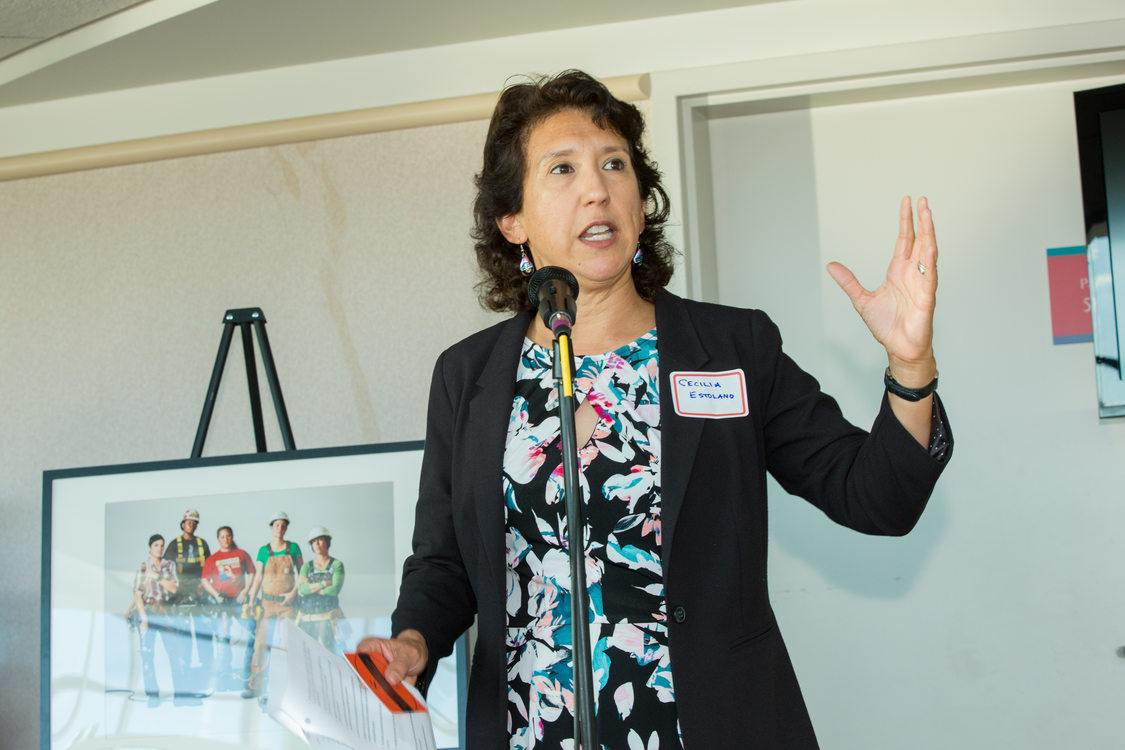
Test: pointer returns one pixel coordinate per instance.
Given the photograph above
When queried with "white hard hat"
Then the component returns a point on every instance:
(317, 532)
(279, 516)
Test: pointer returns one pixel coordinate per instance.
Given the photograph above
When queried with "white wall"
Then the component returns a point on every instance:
(767, 31)
(97, 334)
(995, 623)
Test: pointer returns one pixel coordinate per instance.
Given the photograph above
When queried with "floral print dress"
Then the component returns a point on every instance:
(619, 474)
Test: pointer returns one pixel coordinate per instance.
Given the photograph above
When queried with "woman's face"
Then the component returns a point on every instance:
(582, 207)
(320, 545)
(156, 549)
(279, 526)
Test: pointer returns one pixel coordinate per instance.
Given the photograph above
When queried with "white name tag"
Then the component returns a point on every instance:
(711, 395)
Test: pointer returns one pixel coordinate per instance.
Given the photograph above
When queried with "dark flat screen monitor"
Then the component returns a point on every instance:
(1100, 119)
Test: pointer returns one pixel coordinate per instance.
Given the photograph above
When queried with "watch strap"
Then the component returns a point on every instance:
(909, 394)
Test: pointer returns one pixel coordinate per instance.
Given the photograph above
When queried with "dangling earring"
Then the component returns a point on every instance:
(639, 256)
(526, 266)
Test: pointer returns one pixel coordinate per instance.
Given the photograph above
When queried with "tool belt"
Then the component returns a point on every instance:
(184, 608)
(334, 614)
(272, 598)
(314, 618)
(250, 611)
(151, 608)
(223, 606)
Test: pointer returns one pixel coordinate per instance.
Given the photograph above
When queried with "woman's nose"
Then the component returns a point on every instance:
(594, 188)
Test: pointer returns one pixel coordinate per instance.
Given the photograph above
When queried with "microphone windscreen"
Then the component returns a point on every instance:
(550, 273)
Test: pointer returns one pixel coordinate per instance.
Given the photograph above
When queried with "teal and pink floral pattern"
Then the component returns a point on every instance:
(619, 468)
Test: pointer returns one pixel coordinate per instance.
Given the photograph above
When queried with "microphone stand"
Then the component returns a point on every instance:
(553, 290)
(585, 731)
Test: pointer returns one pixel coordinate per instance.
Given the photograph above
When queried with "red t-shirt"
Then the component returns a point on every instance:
(228, 572)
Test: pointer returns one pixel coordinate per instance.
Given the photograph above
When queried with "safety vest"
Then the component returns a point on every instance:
(180, 559)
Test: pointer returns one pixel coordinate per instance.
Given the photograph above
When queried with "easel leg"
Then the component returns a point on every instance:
(245, 318)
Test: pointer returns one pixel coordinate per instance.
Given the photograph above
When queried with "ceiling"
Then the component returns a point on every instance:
(55, 49)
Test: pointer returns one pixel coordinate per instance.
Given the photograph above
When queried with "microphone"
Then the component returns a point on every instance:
(553, 291)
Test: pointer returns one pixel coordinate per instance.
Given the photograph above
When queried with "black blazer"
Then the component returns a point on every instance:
(735, 686)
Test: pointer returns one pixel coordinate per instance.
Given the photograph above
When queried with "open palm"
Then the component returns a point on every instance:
(900, 312)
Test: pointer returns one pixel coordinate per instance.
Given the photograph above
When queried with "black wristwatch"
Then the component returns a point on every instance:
(910, 394)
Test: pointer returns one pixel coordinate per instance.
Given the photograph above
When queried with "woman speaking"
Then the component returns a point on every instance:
(683, 408)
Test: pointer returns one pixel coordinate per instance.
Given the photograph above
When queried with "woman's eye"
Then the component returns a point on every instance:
(615, 164)
(561, 169)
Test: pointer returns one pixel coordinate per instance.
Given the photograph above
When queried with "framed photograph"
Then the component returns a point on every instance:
(145, 646)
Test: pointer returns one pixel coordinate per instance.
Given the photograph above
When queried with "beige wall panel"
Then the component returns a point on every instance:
(113, 284)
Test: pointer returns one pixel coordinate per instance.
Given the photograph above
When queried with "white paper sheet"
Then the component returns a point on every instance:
(319, 697)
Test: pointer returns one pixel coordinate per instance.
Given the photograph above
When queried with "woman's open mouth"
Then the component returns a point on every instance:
(597, 233)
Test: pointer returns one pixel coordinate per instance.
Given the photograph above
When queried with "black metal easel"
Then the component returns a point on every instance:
(245, 318)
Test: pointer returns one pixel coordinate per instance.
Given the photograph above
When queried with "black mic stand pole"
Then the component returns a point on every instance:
(585, 731)
(553, 290)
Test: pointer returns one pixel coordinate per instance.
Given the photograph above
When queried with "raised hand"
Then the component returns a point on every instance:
(900, 312)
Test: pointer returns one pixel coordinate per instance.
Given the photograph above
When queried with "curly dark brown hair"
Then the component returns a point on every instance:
(521, 107)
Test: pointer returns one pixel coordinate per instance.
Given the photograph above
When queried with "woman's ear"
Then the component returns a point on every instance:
(512, 230)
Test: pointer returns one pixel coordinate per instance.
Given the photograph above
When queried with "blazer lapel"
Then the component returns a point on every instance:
(490, 408)
(679, 347)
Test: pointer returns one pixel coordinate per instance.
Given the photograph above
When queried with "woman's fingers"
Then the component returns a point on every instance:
(905, 244)
(847, 281)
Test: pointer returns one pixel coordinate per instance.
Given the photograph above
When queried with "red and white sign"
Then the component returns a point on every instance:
(1069, 281)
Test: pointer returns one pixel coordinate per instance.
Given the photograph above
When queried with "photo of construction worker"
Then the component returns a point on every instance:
(153, 587)
(228, 612)
(275, 586)
(227, 577)
(192, 641)
(319, 585)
